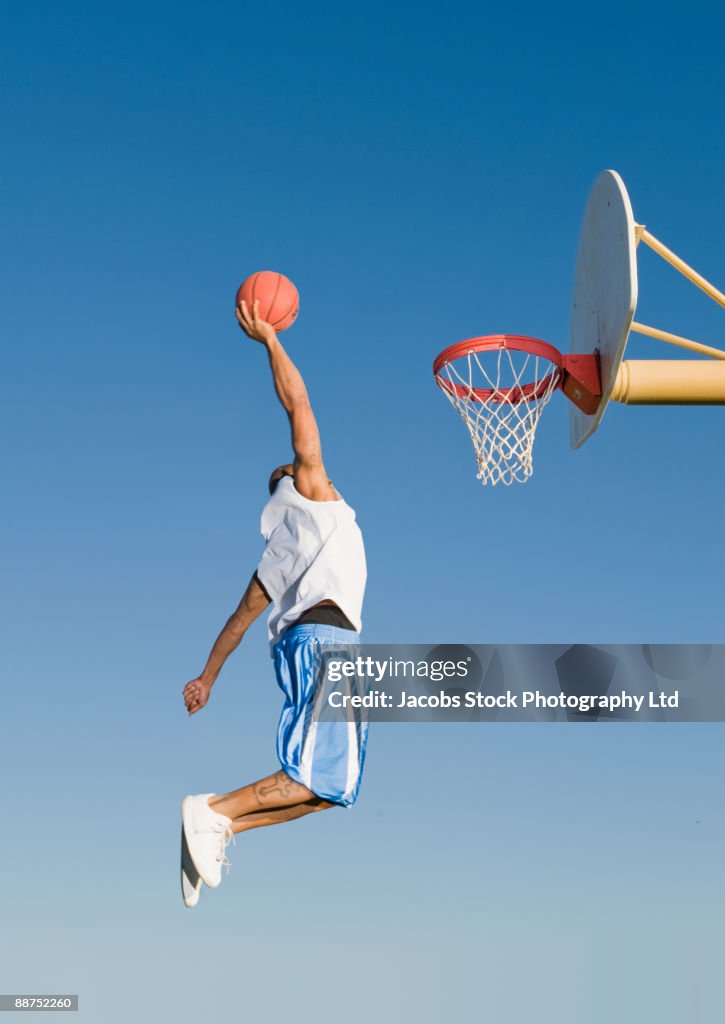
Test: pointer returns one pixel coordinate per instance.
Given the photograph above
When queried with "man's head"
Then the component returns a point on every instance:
(287, 470)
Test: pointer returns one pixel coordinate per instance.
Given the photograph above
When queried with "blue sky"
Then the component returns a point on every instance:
(421, 175)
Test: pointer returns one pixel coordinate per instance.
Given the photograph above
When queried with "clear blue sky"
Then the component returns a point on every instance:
(420, 173)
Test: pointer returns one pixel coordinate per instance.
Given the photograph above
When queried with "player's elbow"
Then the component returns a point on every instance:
(297, 401)
(237, 626)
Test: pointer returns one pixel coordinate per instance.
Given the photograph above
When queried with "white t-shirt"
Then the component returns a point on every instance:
(314, 553)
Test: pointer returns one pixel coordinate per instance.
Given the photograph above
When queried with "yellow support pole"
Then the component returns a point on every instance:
(670, 382)
(692, 275)
(676, 339)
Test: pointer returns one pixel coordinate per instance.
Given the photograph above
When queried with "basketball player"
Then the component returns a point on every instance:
(312, 573)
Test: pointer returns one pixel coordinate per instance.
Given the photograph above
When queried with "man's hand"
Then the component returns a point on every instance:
(196, 695)
(253, 325)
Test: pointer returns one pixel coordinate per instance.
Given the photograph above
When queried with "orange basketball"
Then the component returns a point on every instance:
(279, 301)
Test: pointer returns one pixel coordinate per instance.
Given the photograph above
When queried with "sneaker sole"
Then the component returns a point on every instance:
(191, 880)
(188, 830)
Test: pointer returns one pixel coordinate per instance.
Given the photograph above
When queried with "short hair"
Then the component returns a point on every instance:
(273, 481)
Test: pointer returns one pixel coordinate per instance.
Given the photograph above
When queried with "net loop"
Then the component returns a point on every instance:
(500, 385)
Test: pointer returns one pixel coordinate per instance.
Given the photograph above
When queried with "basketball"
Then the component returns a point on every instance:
(279, 301)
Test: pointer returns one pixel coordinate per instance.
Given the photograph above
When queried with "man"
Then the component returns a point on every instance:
(313, 574)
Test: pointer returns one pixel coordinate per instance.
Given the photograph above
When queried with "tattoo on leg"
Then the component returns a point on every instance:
(279, 786)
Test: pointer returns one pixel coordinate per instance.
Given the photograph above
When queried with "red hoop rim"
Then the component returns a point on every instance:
(493, 342)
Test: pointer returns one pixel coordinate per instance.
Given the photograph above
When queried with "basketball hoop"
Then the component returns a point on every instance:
(500, 385)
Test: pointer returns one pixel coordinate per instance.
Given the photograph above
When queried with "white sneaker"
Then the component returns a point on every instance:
(207, 834)
(191, 881)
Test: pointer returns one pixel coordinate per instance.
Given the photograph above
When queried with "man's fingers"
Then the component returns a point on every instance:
(192, 695)
(195, 695)
(243, 315)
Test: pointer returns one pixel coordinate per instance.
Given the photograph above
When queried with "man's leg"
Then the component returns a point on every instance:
(259, 819)
(209, 822)
(269, 794)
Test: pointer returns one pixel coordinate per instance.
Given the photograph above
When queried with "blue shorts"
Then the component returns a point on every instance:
(326, 757)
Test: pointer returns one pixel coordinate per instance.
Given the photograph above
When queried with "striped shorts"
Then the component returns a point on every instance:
(325, 756)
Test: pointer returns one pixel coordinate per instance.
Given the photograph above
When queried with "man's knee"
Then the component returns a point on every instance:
(318, 804)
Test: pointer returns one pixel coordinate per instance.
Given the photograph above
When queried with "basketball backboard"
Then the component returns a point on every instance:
(605, 291)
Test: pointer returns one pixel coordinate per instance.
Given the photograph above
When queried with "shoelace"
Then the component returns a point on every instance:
(224, 840)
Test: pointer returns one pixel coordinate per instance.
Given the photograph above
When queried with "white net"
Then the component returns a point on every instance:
(500, 395)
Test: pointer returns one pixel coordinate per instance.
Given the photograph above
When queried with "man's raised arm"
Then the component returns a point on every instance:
(310, 475)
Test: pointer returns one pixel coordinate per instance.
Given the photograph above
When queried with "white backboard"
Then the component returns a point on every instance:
(605, 290)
